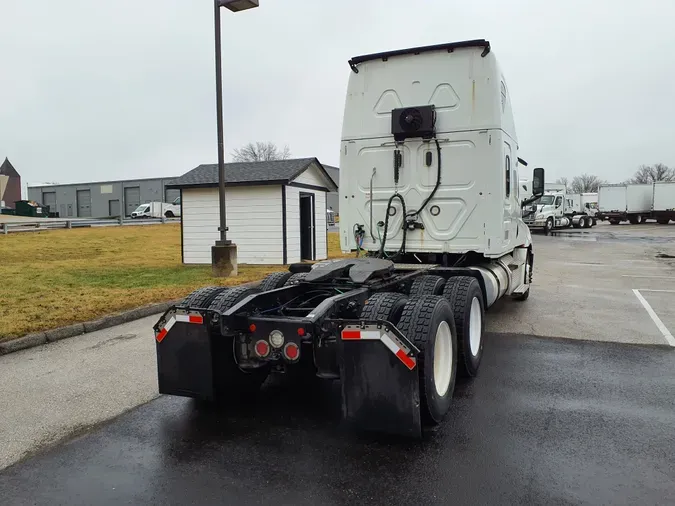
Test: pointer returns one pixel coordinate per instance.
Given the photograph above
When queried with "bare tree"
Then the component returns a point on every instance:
(260, 152)
(653, 173)
(586, 183)
(563, 180)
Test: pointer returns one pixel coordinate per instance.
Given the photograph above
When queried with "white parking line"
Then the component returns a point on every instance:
(651, 290)
(666, 333)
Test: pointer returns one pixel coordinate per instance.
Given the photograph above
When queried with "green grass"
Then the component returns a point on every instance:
(53, 278)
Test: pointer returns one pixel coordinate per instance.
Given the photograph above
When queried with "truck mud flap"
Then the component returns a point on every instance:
(380, 380)
(184, 355)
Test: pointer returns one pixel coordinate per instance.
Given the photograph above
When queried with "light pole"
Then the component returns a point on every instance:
(224, 252)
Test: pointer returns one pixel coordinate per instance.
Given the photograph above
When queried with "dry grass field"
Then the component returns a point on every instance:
(54, 278)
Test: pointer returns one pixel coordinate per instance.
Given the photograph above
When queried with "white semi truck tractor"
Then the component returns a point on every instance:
(431, 218)
(559, 209)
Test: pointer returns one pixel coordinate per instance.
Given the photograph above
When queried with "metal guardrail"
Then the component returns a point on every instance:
(58, 223)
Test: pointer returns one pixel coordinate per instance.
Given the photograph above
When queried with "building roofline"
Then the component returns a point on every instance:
(57, 185)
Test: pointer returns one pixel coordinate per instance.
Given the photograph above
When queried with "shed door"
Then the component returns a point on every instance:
(49, 200)
(307, 223)
(84, 203)
(114, 207)
(132, 199)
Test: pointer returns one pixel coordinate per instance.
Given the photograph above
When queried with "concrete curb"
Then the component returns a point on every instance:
(77, 329)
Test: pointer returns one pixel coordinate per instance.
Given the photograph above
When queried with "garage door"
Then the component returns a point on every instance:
(49, 200)
(113, 207)
(132, 199)
(84, 203)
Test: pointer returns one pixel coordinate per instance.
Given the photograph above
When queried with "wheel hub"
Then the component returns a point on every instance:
(443, 358)
(475, 327)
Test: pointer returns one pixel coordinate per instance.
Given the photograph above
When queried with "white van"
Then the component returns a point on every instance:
(157, 210)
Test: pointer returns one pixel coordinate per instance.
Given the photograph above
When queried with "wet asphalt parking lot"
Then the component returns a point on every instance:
(584, 420)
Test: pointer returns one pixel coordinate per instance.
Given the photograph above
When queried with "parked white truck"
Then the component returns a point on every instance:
(156, 210)
(558, 209)
(429, 175)
(625, 202)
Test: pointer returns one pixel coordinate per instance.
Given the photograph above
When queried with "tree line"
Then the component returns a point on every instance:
(645, 174)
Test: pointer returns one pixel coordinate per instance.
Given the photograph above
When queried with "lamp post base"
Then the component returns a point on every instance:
(224, 260)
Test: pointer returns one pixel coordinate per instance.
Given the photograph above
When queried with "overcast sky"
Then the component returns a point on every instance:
(123, 89)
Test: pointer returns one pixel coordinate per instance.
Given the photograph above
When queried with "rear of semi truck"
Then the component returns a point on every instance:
(429, 176)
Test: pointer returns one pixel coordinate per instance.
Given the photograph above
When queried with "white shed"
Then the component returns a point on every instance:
(276, 211)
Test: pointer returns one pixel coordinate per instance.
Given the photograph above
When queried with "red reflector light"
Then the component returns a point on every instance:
(252, 327)
(262, 348)
(301, 332)
(162, 334)
(291, 351)
(196, 319)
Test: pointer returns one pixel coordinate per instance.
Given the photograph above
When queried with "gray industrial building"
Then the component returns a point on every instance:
(102, 198)
(109, 198)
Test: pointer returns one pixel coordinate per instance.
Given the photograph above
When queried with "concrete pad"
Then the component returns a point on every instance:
(51, 391)
(583, 289)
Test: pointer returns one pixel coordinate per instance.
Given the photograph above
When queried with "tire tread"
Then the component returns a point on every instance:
(427, 284)
(415, 323)
(202, 298)
(296, 278)
(457, 293)
(274, 281)
(229, 298)
(381, 306)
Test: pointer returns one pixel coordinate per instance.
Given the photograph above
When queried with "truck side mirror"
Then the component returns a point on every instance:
(538, 181)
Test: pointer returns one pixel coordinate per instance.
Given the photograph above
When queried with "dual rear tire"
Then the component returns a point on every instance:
(446, 327)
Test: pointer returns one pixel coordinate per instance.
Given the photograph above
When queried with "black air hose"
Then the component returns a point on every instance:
(386, 225)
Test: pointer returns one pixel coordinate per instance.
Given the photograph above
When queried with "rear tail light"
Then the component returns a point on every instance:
(292, 352)
(262, 348)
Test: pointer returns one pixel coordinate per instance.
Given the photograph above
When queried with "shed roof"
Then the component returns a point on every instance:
(250, 174)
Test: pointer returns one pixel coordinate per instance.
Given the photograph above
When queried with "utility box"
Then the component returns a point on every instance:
(31, 209)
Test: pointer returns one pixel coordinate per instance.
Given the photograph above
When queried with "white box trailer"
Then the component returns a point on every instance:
(664, 202)
(582, 203)
(612, 199)
(639, 198)
(625, 202)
